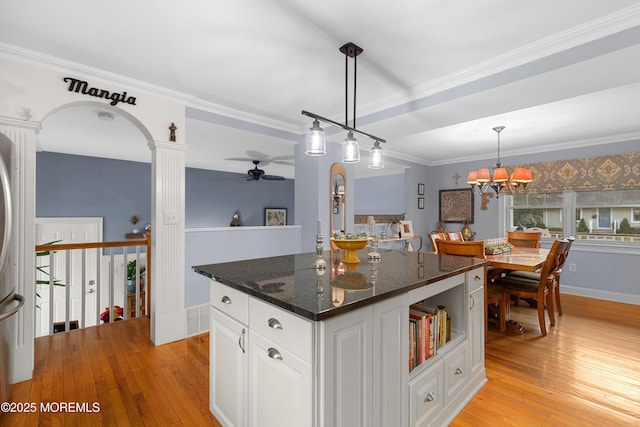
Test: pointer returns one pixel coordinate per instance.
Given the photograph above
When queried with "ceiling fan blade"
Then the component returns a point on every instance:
(273, 177)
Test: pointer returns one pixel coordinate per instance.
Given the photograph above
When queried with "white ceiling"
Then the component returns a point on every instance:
(433, 79)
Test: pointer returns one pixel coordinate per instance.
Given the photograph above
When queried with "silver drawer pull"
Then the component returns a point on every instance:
(430, 397)
(241, 341)
(477, 278)
(274, 324)
(226, 300)
(458, 371)
(274, 354)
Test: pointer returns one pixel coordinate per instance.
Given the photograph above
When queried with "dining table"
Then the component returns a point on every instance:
(523, 259)
(518, 258)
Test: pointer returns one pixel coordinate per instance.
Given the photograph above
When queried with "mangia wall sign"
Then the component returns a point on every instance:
(80, 86)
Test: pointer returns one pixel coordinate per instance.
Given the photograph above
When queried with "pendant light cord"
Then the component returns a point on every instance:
(346, 89)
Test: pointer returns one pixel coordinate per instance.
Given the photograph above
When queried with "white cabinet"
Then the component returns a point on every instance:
(346, 369)
(228, 342)
(426, 394)
(280, 386)
(443, 384)
(280, 375)
(270, 367)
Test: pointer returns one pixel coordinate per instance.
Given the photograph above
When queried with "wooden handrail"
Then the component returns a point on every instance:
(96, 245)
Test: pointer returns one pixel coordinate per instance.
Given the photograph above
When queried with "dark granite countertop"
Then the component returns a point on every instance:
(291, 282)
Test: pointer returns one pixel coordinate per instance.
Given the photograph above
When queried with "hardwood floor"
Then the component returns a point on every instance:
(585, 372)
(134, 382)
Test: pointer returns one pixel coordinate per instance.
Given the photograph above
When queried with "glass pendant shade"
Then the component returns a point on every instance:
(315, 139)
(376, 157)
(350, 150)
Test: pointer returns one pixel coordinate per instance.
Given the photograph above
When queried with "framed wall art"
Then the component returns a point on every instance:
(456, 205)
(275, 216)
(420, 189)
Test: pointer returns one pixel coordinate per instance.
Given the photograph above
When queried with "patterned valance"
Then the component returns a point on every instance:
(615, 172)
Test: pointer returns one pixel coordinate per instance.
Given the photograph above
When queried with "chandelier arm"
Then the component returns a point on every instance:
(340, 125)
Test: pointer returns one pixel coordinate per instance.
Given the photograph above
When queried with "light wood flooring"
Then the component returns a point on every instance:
(585, 372)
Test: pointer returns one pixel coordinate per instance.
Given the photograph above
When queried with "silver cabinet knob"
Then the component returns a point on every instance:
(274, 323)
(430, 397)
(226, 300)
(458, 371)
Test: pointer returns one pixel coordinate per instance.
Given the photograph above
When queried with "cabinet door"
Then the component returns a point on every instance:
(347, 369)
(426, 395)
(390, 355)
(280, 385)
(456, 372)
(228, 369)
(476, 329)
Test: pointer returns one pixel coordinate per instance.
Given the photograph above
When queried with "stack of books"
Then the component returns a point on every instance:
(428, 331)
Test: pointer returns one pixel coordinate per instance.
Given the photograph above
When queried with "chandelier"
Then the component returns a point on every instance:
(497, 178)
(315, 138)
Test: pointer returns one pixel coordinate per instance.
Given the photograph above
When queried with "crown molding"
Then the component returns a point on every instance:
(41, 60)
(597, 29)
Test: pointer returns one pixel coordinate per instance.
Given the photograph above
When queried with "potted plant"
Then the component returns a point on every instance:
(131, 276)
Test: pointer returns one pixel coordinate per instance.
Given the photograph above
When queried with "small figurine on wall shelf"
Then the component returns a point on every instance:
(172, 134)
(235, 220)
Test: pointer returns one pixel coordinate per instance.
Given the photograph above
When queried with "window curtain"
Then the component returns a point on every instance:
(615, 172)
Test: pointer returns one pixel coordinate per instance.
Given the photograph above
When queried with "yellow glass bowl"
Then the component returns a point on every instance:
(351, 246)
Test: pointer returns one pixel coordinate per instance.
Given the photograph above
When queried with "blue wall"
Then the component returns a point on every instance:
(79, 186)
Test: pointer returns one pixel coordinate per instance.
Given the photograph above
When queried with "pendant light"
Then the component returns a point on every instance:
(497, 178)
(315, 139)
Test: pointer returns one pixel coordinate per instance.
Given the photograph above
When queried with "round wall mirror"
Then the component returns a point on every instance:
(338, 199)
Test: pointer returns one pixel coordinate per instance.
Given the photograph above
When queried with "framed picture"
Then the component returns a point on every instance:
(456, 205)
(407, 228)
(420, 202)
(275, 216)
(420, 189)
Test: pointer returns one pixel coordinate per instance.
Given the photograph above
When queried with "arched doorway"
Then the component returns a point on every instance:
(93, 163)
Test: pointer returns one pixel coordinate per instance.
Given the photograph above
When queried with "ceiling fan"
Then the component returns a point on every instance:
(257, 173)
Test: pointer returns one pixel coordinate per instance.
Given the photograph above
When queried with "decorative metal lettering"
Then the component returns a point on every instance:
(80, 86)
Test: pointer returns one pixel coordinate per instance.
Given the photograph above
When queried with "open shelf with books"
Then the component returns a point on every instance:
(436, 325)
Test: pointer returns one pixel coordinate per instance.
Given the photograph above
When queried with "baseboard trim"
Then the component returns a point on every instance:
(600, 294)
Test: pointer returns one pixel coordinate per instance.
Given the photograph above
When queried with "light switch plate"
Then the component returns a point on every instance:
(171, 217)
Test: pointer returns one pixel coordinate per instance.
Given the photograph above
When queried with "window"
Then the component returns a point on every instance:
(612, 216)
(543, 211)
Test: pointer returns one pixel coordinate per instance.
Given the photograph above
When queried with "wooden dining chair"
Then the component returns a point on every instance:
(524, 239)
(455, 235)
(541, 290)
(432, 239)
(493, 295)
(556, 285)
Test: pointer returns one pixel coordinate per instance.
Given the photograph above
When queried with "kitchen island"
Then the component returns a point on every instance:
(294, 346)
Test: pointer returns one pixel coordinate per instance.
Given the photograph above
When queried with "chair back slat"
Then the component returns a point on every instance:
(432, 239)
(524, 239)
(469, 249)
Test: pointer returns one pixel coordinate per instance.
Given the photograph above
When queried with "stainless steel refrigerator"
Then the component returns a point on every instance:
(10, 302)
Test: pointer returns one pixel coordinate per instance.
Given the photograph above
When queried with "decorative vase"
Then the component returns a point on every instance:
(467, 234)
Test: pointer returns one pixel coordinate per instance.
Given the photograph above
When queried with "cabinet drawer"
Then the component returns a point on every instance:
(230, 301)
(456, 371)
(475, 279)
(426, 395)
(281, 328)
